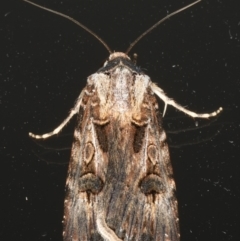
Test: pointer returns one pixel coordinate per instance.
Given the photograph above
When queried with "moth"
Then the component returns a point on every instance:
(120, 184)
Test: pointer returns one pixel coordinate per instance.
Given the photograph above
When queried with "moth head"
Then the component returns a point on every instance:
(117, 55)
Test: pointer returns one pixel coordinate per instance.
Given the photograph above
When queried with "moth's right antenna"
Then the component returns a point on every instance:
(73, 20)
(158, 23)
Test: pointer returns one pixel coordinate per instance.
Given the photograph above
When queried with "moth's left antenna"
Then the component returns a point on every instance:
(158, 23)
(73, 20)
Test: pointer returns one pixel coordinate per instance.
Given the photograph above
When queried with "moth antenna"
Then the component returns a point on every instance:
(75, 21)
(158, 23)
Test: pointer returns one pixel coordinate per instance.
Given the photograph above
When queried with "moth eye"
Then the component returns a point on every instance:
(88, 152)
(152, 154)
(152, 184)
(90, 182)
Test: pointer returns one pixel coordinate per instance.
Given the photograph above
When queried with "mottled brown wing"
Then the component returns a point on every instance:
(82, 182)
(120, 184)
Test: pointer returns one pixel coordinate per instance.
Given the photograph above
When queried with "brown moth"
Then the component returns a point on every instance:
(120, 182)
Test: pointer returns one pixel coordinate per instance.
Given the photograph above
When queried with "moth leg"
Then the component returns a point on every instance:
(60, 127)
(165, 109)
(160, 93)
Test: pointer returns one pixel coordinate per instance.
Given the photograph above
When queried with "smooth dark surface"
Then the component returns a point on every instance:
(45, 61)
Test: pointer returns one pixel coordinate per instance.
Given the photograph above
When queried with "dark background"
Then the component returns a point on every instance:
(45, 61)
